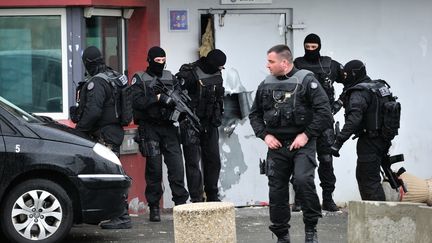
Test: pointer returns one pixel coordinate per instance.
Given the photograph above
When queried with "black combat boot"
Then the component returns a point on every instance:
(311, 235)
(284, 239)
(296, 206)
(122, 222)
(155, 214)
(328, 204)
(213, 198)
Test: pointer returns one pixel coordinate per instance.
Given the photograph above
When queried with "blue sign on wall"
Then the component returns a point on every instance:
(178, 20)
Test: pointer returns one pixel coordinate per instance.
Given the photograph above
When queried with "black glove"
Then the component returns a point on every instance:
(334, 149)
(165, 99)
(156, 86)
(337, 105)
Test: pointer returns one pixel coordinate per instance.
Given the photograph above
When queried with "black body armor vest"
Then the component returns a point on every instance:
(157, 112)
(382, 116)
(208, 100)
(322, 71)
(283, 101)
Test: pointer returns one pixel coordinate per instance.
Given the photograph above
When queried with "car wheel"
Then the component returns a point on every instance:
(37, 211)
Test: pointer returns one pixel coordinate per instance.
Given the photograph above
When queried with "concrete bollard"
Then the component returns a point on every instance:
(205, 223)
(381, 222)
(424, 224)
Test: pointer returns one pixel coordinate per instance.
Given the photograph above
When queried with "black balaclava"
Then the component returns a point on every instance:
(355, 71)
(93, 60)
(211, 63)
(155, 67)
(312, 56)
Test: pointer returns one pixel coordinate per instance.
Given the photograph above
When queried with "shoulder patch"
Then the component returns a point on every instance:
(134, 79)
(314, 85)
(90, 86)
(123, 79)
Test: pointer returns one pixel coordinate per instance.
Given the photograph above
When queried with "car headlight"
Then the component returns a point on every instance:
(106, 153)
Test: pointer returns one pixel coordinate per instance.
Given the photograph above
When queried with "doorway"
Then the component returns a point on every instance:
(245, 36)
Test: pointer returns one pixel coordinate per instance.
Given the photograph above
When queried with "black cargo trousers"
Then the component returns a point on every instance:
(281, 165)
(206, 152)
(325, 167)
(370, 152)
(162, 141)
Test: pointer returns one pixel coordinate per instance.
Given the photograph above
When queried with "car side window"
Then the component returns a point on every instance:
(6, 129)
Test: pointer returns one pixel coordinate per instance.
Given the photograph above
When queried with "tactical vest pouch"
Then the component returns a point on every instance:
(391, 119)
(267, 100)
(216, 120)
(188, 136)
(302, 116)
(287, 117)
(272, 118)
(149, 148)
(122, 93)
(126, 106)
(383, 114)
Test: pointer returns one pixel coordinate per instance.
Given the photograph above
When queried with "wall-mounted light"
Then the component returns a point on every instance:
(88, 12)
(127, 13)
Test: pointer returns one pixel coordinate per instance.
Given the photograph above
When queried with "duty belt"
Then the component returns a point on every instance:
(108, 145)
(287, 142)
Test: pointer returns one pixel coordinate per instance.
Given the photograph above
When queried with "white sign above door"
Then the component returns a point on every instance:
(246, 1)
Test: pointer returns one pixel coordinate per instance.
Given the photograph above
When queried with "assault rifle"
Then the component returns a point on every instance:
(180, 100)
(391, 176)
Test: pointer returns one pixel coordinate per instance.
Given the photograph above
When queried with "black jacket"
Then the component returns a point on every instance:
(356, 103)
(313, 97)
(321, 69)
(206, 92)
(98, 118)
(145, 103)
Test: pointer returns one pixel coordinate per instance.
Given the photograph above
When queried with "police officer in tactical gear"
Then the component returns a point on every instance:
(289, 112)
(158, 136)
(371, 146)
(327, 71)
(98, 117)
(203, 81)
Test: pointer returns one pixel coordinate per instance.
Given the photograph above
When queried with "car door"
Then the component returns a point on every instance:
(2, 148)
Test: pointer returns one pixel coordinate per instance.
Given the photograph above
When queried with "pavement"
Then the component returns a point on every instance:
(251, 227)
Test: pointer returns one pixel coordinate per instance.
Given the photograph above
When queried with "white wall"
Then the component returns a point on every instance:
(392, 37)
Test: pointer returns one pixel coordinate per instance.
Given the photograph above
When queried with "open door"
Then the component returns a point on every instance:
(245, 36)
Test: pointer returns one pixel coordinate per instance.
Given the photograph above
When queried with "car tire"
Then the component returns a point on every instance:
(37, 210)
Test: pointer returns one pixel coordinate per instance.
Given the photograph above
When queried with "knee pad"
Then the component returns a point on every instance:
(150, 148)
(325, 158)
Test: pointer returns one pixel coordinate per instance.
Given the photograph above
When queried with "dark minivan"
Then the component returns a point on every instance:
(52, 177)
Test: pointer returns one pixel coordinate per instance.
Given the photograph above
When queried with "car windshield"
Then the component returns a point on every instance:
(17, 112)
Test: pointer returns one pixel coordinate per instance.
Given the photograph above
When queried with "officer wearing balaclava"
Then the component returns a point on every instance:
(327, 71)
(359, 108)
(158, 135)
(98, 116)
(203, 81)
